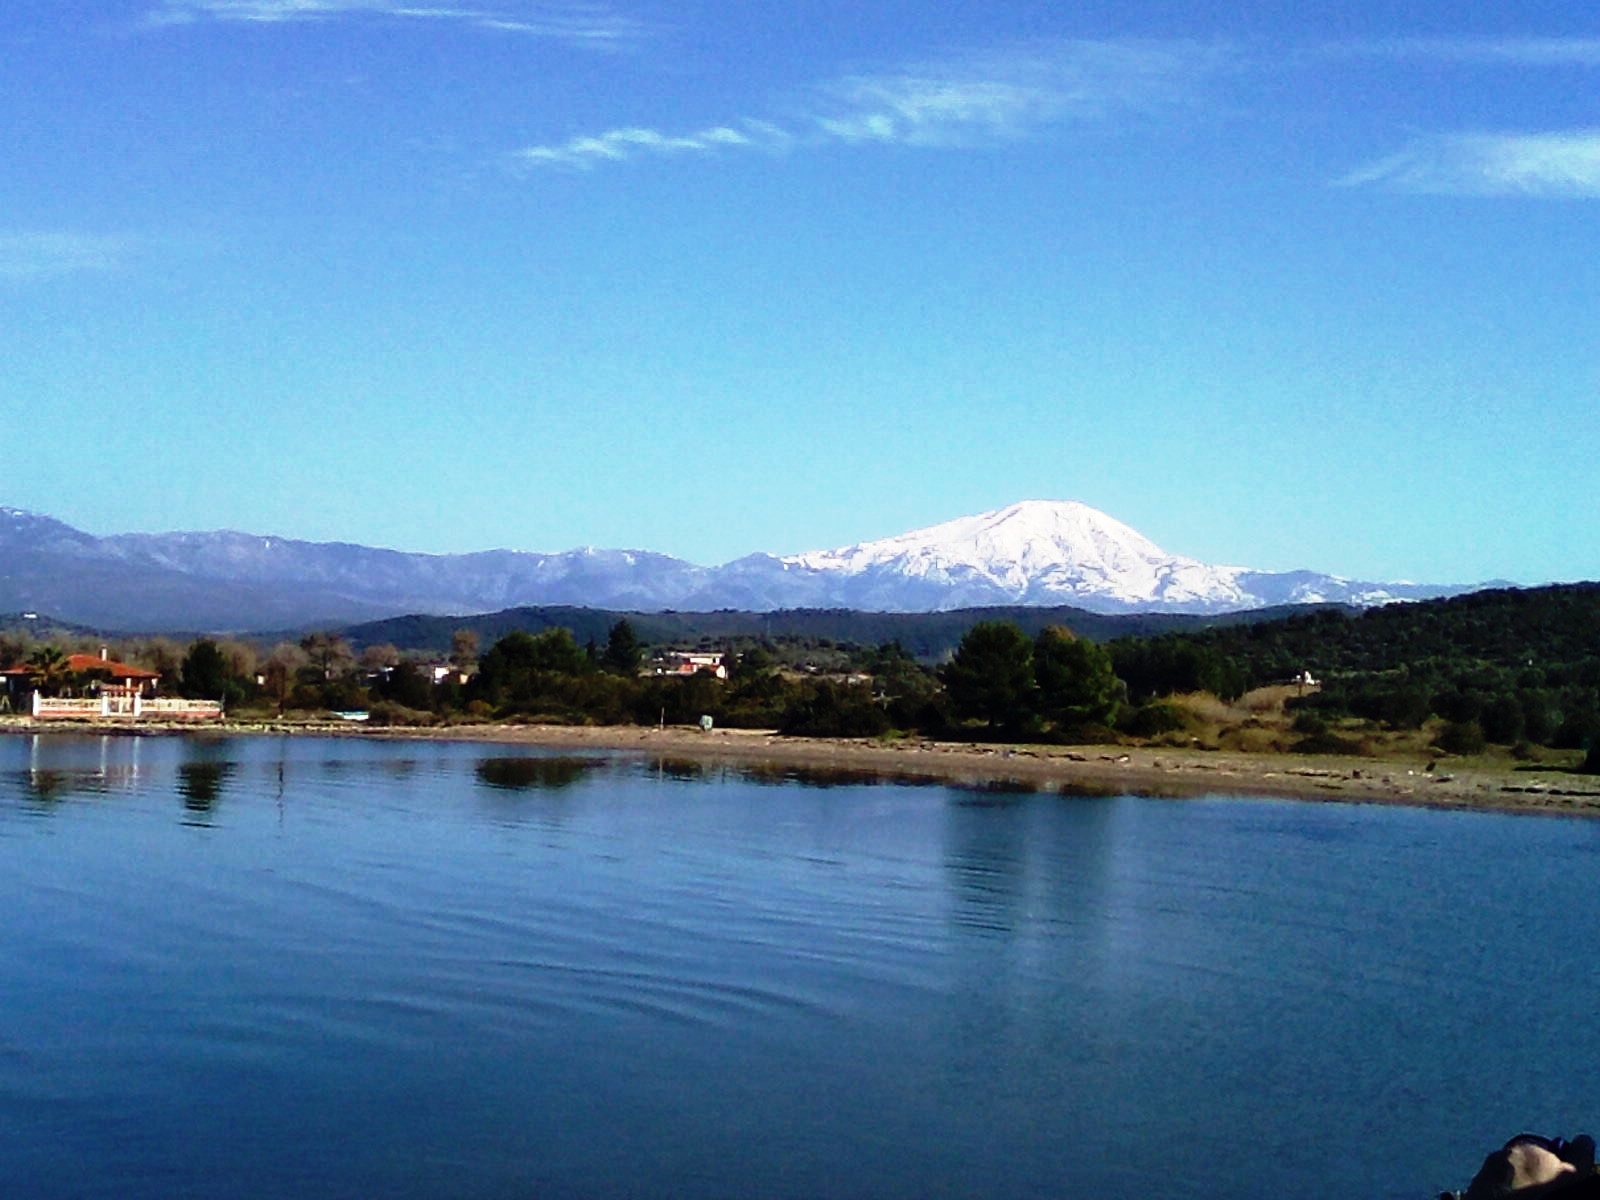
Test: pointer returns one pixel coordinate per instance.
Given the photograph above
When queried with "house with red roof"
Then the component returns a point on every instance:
(104, 687)
(98, 669)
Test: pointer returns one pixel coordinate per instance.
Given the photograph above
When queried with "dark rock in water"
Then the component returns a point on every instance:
(1530, 1166)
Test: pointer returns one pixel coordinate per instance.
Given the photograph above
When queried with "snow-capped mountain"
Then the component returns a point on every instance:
(1041, 552)
(1036, 552)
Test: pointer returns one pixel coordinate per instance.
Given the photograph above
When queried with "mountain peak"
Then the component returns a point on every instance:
(1070, 524)
(20, 528)
(1035, 552)
(1018, 540)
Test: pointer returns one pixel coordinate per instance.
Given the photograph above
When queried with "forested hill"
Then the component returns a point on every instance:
(930, 637)
(1506, 628)
(1504, 665)
(1513, 629)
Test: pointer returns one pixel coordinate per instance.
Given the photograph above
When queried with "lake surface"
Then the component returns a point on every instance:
(343, 968)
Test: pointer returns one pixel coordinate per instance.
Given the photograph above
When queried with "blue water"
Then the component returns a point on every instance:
(344, 968)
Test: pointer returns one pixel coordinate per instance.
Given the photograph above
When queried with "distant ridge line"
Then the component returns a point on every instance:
(1032, 554)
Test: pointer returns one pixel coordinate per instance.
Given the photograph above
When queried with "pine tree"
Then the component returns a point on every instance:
(623, 651)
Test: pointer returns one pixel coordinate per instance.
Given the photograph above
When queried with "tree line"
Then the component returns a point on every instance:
(1506, 666)
(998, 683)
(1511, 667)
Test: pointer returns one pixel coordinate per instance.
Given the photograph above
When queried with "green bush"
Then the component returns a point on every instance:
(1461, 737)
(1502, 720)
(1309, 722)
(1328, 743)
(1591, 761)
(1083, 733)
(1154, 718)
(389, 712)
(829, 710)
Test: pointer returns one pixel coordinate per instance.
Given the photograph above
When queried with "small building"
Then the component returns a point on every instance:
(90, 675)
(691, 662)
(104, 687)
(109, 675)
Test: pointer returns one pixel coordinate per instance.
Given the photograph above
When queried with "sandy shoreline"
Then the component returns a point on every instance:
(1114, 769)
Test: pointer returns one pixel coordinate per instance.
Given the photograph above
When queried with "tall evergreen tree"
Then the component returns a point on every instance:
(623, 652)
(204, 674)
(991, 676)
(1075, 680)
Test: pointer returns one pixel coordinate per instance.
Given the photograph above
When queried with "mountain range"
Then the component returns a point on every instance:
(1035, 553)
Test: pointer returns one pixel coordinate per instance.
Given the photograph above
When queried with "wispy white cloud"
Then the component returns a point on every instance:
(42, 254)
(1561, 164)
(617, 144)
(579, 23)
(1509, 51)
(933, 110)
(1010, 94)
(976, 100)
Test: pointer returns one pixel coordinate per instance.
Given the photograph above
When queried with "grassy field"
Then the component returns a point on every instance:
(1258, 723)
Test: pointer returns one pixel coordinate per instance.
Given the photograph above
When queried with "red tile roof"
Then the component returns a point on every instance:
(92, 662)
(117, 670)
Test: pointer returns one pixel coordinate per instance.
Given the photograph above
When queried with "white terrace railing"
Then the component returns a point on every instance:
(61, 708)
(55, 708)
(181, 710)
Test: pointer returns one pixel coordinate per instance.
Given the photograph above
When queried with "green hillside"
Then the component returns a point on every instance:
(1505, 664)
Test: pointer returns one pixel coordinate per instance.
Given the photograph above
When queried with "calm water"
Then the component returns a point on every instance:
(271, 968)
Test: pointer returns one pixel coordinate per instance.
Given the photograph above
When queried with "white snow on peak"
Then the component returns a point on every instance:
(1037, 549)
(1037, 533)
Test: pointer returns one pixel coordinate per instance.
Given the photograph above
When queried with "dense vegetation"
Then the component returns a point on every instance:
(1505, 666)
(1518, 668)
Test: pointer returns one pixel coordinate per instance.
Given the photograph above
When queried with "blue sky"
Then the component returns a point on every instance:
(1286, 285)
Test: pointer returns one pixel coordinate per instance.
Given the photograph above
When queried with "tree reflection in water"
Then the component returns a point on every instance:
(684, 770)
(992, 792)
(779, 774)
(48, 784)
(520, 773)
(200, 783)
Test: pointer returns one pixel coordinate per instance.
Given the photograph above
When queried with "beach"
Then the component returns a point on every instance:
(1143, 770)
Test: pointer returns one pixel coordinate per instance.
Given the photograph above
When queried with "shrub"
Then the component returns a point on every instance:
(1084, 733)
(1250, 738)
(1502, 720)
(1457, 706)
(1578, 730)
(1405, 708)
(1461, 737)
(388, 712)
(1306, 721)
(1155, 718)
(830, 711)
(1328, 743)
(1591, 761)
